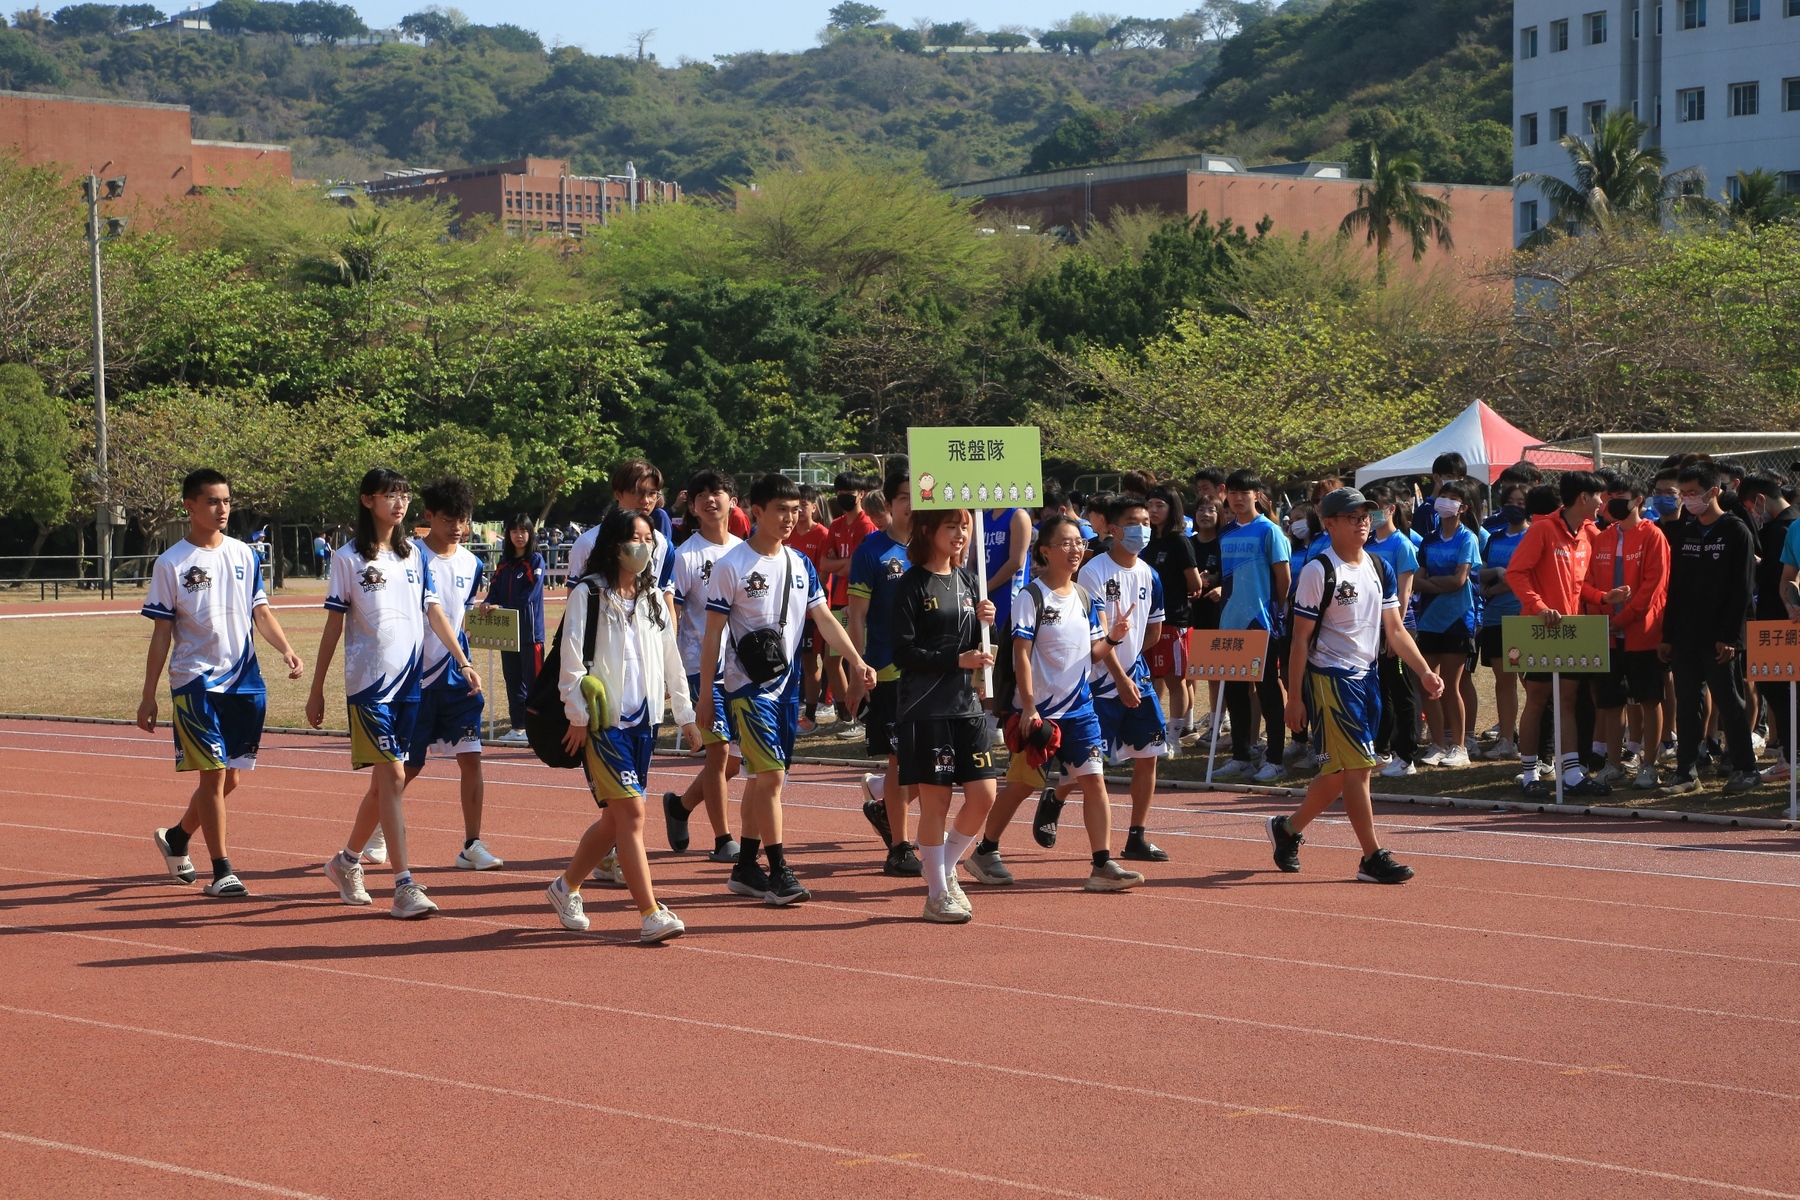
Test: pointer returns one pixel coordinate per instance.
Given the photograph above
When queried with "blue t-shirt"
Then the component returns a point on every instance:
(1398, 552)
(1500, 549)
(1247, 553)
(875, 573)
(997, 535)
(1450, 610)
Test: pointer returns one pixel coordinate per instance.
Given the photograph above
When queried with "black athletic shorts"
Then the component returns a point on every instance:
(1452, 641)
(1636, 677)
(878, 717)
(945, 752)
(1487, 641)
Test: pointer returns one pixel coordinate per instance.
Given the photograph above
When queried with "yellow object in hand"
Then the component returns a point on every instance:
(599, 702)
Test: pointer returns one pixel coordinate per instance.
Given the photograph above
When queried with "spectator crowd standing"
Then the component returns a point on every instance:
(755, 620)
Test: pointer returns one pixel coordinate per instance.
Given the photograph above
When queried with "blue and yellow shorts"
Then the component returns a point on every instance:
(217, 730)
(380, 733)
(618, 762)
(721, 726)
(1082, 751)
(766, 725)
(1342, 710)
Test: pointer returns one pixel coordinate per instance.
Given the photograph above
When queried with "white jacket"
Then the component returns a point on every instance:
(657, 651)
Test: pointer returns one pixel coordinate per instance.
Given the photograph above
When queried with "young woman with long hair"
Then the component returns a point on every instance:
(518, 584)
(614, 705)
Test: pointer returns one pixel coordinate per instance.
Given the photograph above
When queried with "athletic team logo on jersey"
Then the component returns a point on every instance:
(895, 568)
(1050, 616)
(195, 579)
(1346, 593)
(372, 579)
(946, 760)
(1112, 589)
(755, 585)
(706, 570)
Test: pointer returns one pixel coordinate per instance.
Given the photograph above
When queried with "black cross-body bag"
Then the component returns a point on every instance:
(762, 653)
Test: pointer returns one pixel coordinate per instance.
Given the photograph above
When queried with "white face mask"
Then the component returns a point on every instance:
(1694, 504)
(636, 554)
(1300, 529)
(1447, 508)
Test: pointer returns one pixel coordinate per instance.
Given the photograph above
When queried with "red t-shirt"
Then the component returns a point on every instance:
(737, 523)
(813, 543)
(847, 533)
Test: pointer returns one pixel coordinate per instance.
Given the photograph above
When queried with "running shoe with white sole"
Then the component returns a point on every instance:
(1776, 774)
(1237, 768)
(953, 887)
(1456, 756)
(675, 821)
(1139, 848)
(661, 925)
(411, 901)
(516, 737)
(376, 850)
(1471, 748)
(1285, 843)
(348, 878)
(1268, 773)
(902, 863)
(1608, 774)
(230, 887)
(476, 857)
(987, 868)
(1646, 777)
(1400, 768)
(1380, 867)
(567, 905)
(609, 872)
(1502, 750)
(179, 866)
(1742, 781)
(1111, 877)
(944, 910)
(1433, 757)
(852, 731)
(785, 889)
(874, 809)
(748, 879)
(1043, 824)
(1292, 751)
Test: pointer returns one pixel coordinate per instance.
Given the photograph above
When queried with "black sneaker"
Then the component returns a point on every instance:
(1287, 845)
(784, 889)
(875, 812)
(675, 816)
(1139, 849)
(726, 852)
(1589, 786)
(1043, 825)
(1380, 867)
(902, 863)
(749, 879)
(1679, 785)
(1741, 782)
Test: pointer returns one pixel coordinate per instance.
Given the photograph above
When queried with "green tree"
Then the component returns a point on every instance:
(1616, 178)
(1757, 198)
(23, 65)
(1390, 203)
(80, 20)
(852, 15)
(35, 446)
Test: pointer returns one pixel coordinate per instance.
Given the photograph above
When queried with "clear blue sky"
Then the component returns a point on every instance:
(703, 28)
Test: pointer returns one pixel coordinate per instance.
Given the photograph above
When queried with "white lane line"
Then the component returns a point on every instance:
(251, 1185)
(541, 1098)
(1084, 1084)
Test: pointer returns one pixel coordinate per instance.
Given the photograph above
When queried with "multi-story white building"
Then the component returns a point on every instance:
(1717, 82)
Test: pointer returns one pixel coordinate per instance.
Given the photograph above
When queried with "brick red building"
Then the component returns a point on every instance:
(152, 144)
(1310, 197)
(540, 195)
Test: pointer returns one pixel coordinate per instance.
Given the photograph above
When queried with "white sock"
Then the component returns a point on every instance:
(933, 858)
(350, 856)
(402, 879)
(1634, 747)
(1599, 749)
(955, 846)
(1572, 772)
(878, 787)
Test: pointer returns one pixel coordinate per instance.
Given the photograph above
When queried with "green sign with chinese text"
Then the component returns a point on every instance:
(497, 629)
(1576, 646)
(976, 466)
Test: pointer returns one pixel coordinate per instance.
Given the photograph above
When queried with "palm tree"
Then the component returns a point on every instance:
(1618, 180)
(1758, 199)
(1391, 202)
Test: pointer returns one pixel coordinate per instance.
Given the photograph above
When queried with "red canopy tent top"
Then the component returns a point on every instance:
(1488, 443)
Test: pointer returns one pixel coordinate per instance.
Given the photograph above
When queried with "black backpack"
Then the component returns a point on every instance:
(1329, 592)
(546, 721)
(1006, 683)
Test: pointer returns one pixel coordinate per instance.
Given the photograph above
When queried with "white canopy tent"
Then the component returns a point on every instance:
(1487, 442)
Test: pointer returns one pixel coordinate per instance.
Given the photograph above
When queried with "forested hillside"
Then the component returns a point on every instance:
(1310, 78)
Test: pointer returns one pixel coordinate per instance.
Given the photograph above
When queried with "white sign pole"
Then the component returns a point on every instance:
(1213, 755)
(1793, 735)
(987, 672)
(1556, 731)
(493, 730)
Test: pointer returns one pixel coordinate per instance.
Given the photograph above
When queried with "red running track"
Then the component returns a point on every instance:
(1555, 1007)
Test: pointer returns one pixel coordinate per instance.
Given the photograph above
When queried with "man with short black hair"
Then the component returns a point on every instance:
(848, 529)
(1254, 556)
(1629, 554)
(636, 483)
(1772, 517)
(1711, 578)
(1208, 483)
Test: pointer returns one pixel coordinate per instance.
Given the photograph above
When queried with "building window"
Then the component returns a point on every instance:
(1596, 115)
(1790, 182)
(1528, 129)
(1559, 123)
(1659, 20)
(1594, 25)
(1793, 8)
(1790, 93)
(1637, 23)
(1528, 42)
(1528, 216)
(1559, 36)
(1746, 99)
(1693, 14)
(1690, 104)
(1745, 10)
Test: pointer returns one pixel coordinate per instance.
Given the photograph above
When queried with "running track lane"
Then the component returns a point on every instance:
(1556, 1006)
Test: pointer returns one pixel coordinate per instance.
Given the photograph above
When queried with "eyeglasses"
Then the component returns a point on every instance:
(1069, 544)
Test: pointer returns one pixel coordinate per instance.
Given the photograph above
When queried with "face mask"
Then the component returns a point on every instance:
(1512, 514)
(1694, 504)
(1300, 529)
(1378, 519)
(1664, 506)
(1618, 509)
(1447, 509)
(846, 501)
(1134, 537)
(635, 554)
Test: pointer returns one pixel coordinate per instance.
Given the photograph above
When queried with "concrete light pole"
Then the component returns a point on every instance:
(105, 517)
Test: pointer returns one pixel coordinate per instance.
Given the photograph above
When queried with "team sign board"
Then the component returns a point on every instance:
(495, 630)
(1772, 651)
(976, 466)
(1576, 646)
(1231, 654)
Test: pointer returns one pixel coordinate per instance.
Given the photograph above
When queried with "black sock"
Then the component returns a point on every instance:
(177, 838)
(1137, 831)
(986, 846)
(221, 868)
(1101, 858)
(777, 856)
(467, 842)
(720, 841)
(747, 851)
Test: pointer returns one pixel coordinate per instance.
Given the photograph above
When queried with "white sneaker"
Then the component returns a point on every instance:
(411, 901)
(376, 850)
(1307, 762)
(1434, 756)
(953, 889)
(567, 905)
(1236, 768)
(349, 880)
(1502, 750)
(1776, 774)
(476, 857)
(609, 871)
(661, 925)
(873, 786)
(1456, 756)
(945, 910)
(852, 731)
(515, 737)
(1647, 777)
(1400, 768)
(1665, 753)
(1269, 773)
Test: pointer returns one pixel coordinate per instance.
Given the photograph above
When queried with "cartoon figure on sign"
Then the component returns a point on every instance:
(1256, 668)
(927, 481)
(1512, 656)
(982, 491)
(1012, 493)
(1030, 492)
(966, 493)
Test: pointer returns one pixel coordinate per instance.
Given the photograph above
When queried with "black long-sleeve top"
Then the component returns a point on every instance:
(933, 624)
(1711, 569)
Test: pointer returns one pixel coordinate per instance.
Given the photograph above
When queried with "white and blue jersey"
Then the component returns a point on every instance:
(383, 600)
(456, 580)
(1062, 637)
(692, 575)
(1401, 556)
(210, 597)
(747, 587)
(1134, 592)
(1247, 554)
